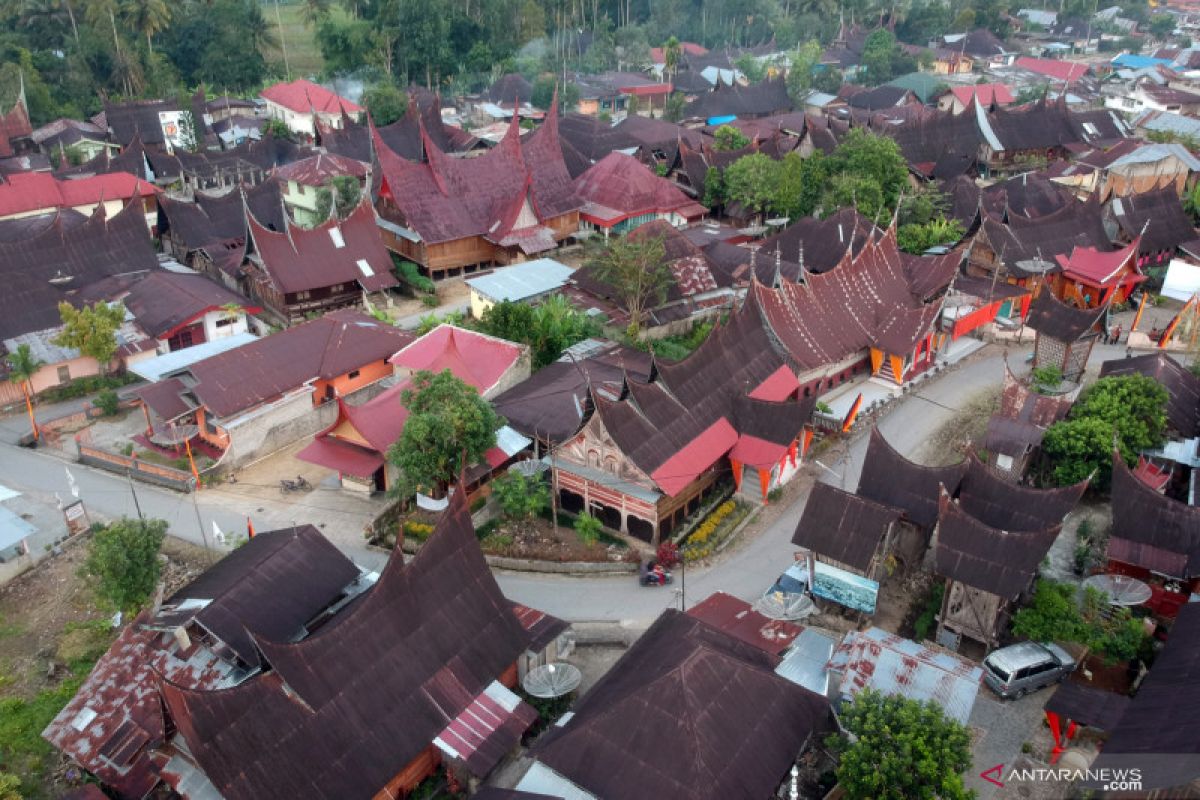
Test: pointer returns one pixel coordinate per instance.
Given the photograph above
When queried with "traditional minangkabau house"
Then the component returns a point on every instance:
(989, 545)
(301, 271)
(1149, 168)
(357, 443)
(655, 142)
(53, 265)
(16, 131)
(415, 672)
(1090, 278)
(280, 584)
(819, 244)
(1154, 538)
(695, 163)
(209, 233)
(645, 461)
(874, 312)
(34, 193)
(762, 99)
(619, 193)
(261, 396)
(1015, 138)
(849, 532)
(1065, 334)
(1023, 249)
(664, 721)
(1158, 223)
(353, 140)
(1015, 432)
(453, 215)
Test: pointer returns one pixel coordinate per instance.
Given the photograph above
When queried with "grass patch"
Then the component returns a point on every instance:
(924, 622)
(10, 629)
(304, 57)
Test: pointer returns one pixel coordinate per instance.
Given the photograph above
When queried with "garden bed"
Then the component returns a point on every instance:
(707, 538)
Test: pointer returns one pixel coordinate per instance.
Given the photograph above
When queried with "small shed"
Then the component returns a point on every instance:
(527, 282)
(1065, 335)
(847, 531)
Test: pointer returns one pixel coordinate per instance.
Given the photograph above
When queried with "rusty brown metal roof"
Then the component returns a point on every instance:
(1052, 318)
(688, 711)
(843, 526)
(1002, 504)
(341, 713)
(1143, 516)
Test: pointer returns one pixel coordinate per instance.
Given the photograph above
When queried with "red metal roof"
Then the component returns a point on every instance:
(32, 191)
(13, 125)
(319, 169)
(1068, 71)
(778, 386)
(342, 457)
(486, 730)
(620, 183)
(1093, 267)
(474, 358)
(983, 93)
(736, 618)
(695, 457)
(758, 453)
(336, 251)
(304, 96)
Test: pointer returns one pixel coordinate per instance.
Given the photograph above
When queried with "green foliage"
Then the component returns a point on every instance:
(92, 330)
(543, 94)
(1060, 613)
(219, 43)
(923, 625)
(123, 558)
(341, 193)
(548, 328)
(829, 80)
(1047, 377)
(636, 267)
(1162, 25)
(675, 105)
(750, 67)
(801, 184)
(878, 158)
(386, 102)
(801, 70)
(714, 187)
(520, 497)
(899, 749)
(919, 238)
(82, 387)
(1130, 409)
(449, 428)
(1031, 94)
(10, 787)
(753, 181)
(431, 321)
(278, 129)
(588, 528)
(728, 137)
(410, 273)
(22, 364)
(883, 58)
(108, 402)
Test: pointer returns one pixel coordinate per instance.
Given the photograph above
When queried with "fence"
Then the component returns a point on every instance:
(177, 479)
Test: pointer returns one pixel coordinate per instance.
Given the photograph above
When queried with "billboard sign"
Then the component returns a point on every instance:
(845, 588)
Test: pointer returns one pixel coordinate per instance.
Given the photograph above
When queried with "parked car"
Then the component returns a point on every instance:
(1019, 669)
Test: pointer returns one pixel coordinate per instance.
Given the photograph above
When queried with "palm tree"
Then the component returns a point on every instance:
(22, 366)
(672, 54)
(147, 17)
(125, 71)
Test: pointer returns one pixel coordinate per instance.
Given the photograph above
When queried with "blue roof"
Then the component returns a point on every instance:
(13, 529)
(722, 120)
(522, 281)
(1134, 61)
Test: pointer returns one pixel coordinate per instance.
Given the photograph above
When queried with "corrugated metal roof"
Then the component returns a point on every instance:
(806, 662)
(154, 369)
(889, 664)
(540, 779)
(522, 281)
(1151, 153)
(13, 529)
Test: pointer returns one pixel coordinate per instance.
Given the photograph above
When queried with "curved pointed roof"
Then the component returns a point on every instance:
(1153, 524)
(993, 560)
(891, 479)
(1003, 504)
(1050, 317)
(341, 712)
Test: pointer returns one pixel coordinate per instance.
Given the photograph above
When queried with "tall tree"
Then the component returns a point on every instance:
(637, 269)
(92, 330)
(672, 54)
(449, 427)
(147, 17)
(753, 181)
(800, 71)
(22, 366)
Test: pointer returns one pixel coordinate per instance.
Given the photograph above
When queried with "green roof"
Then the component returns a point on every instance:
(924, 85)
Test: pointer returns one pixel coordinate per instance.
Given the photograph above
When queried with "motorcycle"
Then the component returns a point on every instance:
(649, 576)
(298, 485)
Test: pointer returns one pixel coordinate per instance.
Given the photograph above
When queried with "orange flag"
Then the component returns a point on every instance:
(249, 529)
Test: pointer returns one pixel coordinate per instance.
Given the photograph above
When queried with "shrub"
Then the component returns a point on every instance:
(408, 272)
(417, 531)
(430, 300)
(701, 541)
(123, 558)
(520, 498)
(668, 554)
(924, 622)
(108, 403)
(587, 528)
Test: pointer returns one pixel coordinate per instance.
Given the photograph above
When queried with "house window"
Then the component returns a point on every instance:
(352, 374)
(64, 374)
(300, 188)
(226, 321)
(303, 295)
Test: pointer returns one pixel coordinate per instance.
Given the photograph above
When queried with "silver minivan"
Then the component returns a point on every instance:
(1019, 669)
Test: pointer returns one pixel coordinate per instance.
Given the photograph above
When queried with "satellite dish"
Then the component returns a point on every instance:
(785, 606)
(552, 680)
(530, 467)
(1121, 590)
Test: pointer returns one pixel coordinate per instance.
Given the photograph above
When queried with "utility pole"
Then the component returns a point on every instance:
(203, 534)
(136, 504)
